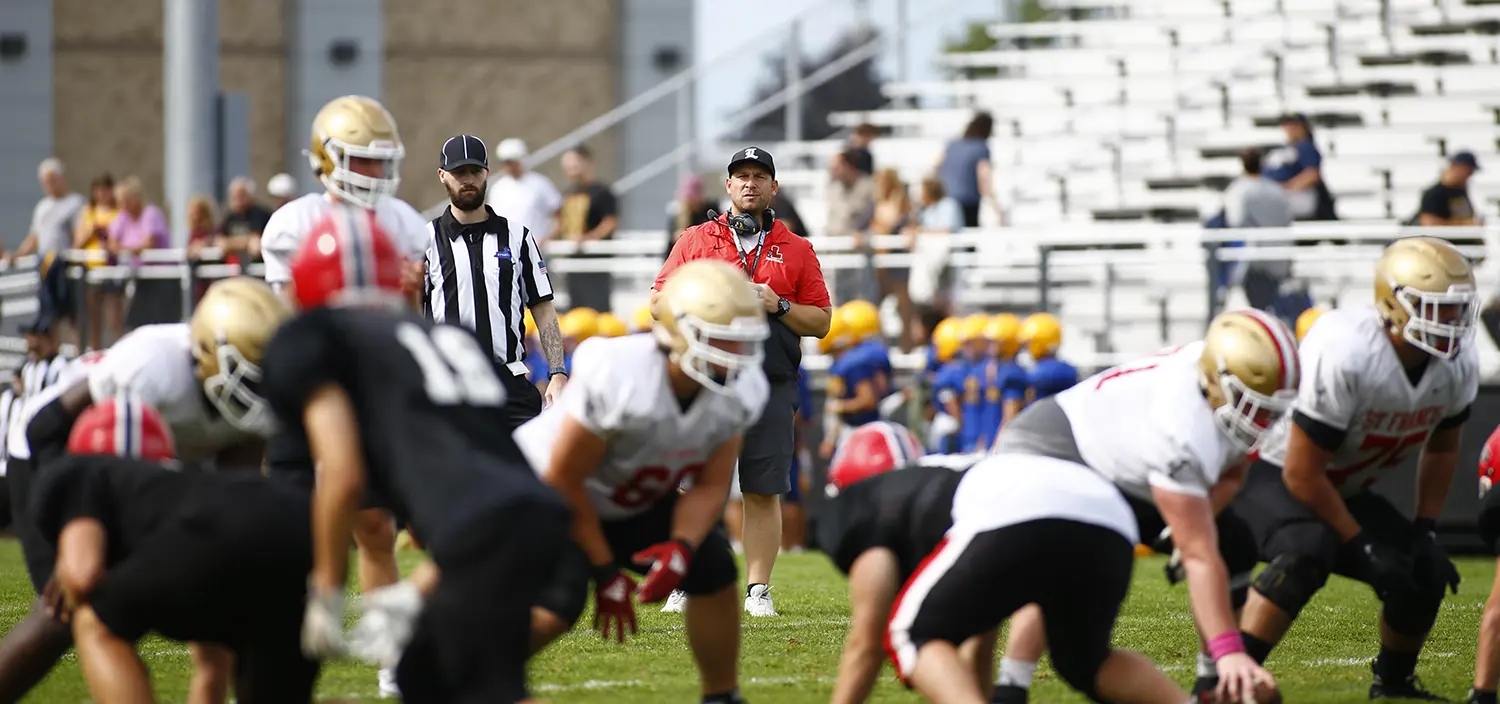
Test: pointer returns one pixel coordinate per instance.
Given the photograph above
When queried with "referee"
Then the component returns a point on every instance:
(483, 271)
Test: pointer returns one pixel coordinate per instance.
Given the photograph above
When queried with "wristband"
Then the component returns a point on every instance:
(557, 371)
(1426, 526)
(1227, 643)
(687, 545)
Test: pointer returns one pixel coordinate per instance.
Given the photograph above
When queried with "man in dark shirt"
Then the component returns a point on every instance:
(408, 407)
(859, 148)
(1446, 203)
(244, 220)
(589, 213)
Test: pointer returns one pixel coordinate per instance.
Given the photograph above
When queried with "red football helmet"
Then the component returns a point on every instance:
(871, 449)
(1489, 463)
(123, 427)
(347, 256)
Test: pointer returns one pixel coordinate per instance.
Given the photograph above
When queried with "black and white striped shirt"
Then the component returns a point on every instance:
(38, 374)
(483, 276)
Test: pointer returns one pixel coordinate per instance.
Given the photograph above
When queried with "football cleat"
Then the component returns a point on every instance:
(675, 602)
(758, 601)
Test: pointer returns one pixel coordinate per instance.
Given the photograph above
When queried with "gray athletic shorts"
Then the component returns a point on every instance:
(766, 460)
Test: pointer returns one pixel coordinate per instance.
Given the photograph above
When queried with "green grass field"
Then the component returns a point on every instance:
(794, 658)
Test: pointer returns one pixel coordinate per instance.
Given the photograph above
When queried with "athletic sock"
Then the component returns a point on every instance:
(751, 587)
(1393, 666)
(730, 697)
(1206, 666)
(1016, 673)
(1480, 696)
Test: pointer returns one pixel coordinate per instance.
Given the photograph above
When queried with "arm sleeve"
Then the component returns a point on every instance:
(1308, 155)
(300, 359)
(1433, 203)
(534, 276)
(416, 231)
(679, 255)
(606, 203)
(591, 397)
(277, 243)
(1329, 390)
(811, 289)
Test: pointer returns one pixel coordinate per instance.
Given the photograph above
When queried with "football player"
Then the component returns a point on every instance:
(356, 152)
(1005, 382)
(972, 380)
(388, 400)
(216, 557)
(855, 378)
(644, 414)
(864, 324)
(203, 376)
(946, 381)
(1487, 662)
(1177, 459)
(1041, 335)
(1306, 319)
(876, 527)
(1381, 382)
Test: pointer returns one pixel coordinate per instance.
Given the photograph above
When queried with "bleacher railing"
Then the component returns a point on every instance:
(1018, 268)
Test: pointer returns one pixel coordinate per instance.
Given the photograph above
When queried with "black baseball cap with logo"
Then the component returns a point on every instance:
(463, 150)
(755, 154)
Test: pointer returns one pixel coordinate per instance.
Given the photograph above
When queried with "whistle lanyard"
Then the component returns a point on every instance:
(745, 263)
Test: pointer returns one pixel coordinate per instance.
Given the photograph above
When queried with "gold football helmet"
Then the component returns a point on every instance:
(1041, 334)
(356, 127)
(231, 328)
(610, 325)
(712, 322)
(1424, 290)
(579, 324)
(1003, 330)
(861, 319)
(1306, 320)
(1249, 372)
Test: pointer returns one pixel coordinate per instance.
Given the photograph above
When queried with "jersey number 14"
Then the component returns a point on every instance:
(454, 370)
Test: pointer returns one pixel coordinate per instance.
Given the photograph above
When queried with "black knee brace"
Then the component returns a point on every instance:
(1412, 614)
(1291, 580)
(1238, 548)
(713, 566)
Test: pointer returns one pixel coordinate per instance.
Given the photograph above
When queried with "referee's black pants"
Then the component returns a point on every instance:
(522, 399)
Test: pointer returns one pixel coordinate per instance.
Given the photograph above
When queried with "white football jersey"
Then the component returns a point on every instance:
(1146, 424)
(153, 363)
(619, 391)
(290, 223)
(1004, 490)
(1352, 381)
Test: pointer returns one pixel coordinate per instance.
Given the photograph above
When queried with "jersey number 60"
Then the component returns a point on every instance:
(454, 369)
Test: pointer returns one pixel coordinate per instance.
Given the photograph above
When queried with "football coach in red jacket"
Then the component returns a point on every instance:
(786, 271)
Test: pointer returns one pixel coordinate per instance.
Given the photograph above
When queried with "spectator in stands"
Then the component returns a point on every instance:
(939, 217)
(786, 212)
(859, 147)
(589, 213)
(244, 220)
(892, 214)
(283, 189)
(92, 236)
(52, 224)
(140, 226)
(524, 195)
(966, 172)
(1446, 203)
(689, 208)
(851, 203)
(202, 234)
(1251, 201)
(1297, 167)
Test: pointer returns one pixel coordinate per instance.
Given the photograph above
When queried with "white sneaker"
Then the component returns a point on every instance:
(388, 688)
(758, 603)
(675, 602)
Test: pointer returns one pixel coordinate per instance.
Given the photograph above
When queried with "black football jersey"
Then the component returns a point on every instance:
(429, 404)
(133, 499)
(906, 511)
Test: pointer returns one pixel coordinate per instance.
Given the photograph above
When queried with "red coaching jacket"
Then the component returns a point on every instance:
(785, 262)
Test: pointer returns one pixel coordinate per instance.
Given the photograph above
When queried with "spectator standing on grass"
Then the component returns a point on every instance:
(851, 203)
(1446, 203)
(966, 172)
(244, 221)
(589, 214)
(1297, 166)
(858, 148)
(523, 195)
(92, 236)
(52, 225)
(1253, 201)
(282, 189)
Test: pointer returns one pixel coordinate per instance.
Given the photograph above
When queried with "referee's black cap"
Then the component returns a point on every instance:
(463, 150)
(755, 154)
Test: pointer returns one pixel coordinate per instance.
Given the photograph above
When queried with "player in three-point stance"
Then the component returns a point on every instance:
(392, 402)
(203, 377)
(876, 526)
(1176, 461)
(201, 557)
(642, 414)
(356, 152)
(1380, 382)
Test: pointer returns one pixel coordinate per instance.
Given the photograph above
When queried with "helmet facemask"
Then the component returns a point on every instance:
(715, 367)
(234, 390)
(357, 188)
(1438, 323)
(1246, 413)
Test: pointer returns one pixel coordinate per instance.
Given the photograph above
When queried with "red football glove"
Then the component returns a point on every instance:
(669, 564)
(612, 605)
